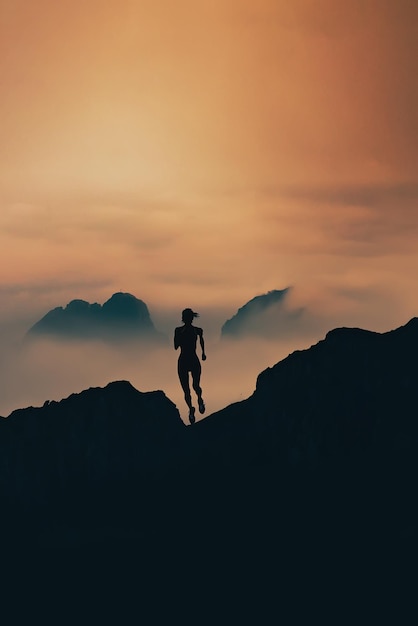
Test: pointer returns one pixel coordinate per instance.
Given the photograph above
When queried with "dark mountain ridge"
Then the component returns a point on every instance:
(352, 395)
(314, 472)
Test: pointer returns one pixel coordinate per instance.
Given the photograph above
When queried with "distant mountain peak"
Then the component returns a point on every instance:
(248, 320)
(121, 317)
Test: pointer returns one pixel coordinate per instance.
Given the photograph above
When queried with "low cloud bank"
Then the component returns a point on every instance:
(51, 370)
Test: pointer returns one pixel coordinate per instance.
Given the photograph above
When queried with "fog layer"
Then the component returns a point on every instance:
(48, 369)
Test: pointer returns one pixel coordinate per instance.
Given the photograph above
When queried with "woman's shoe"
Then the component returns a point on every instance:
(192, 417)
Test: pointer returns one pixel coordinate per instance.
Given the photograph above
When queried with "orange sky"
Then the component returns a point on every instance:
(197, 152)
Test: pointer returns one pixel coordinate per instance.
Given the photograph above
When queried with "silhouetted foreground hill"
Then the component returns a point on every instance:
(305, 490)
(121, 317)
(353, 394)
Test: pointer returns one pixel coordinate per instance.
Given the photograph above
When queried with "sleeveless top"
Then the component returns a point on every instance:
(186, 337)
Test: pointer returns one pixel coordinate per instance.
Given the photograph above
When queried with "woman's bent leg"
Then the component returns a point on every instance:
(184, 382)
(196, 372)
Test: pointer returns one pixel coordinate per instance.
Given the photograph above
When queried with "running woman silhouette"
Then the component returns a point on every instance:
(185, 338)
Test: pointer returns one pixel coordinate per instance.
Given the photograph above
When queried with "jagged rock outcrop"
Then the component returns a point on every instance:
(122, 317)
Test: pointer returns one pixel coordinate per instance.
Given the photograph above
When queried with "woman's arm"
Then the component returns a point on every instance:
(202, 344)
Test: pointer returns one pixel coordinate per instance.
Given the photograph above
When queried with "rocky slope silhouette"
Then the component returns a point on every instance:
(122, 317)
(313, 475)
(354, 392)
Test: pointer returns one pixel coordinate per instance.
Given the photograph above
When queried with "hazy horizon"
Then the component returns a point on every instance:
(51, 369)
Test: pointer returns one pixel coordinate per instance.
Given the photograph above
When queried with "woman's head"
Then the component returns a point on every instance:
(188, 315)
